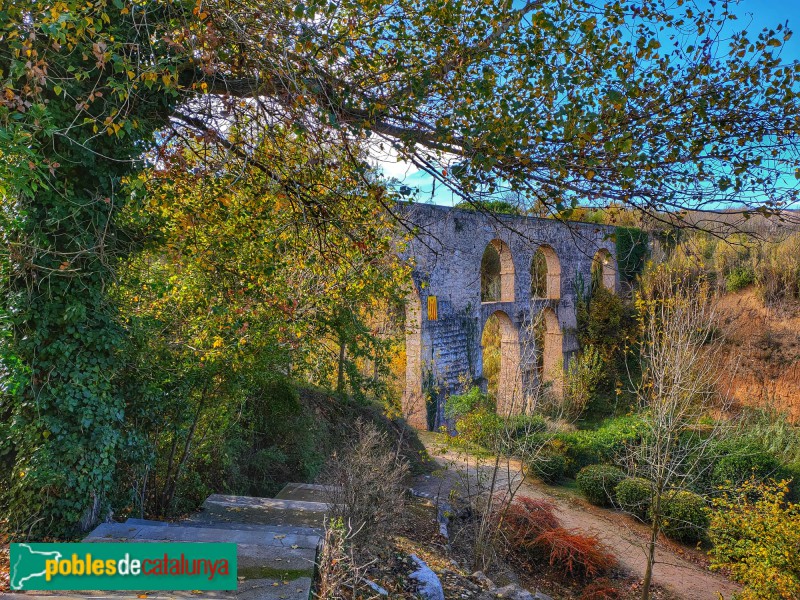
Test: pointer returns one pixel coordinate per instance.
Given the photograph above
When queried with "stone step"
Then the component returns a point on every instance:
(252, 589)
(306, 492)
(179, 533)
(204, 521)
(262, 511)
(257, 562)
(276, 541)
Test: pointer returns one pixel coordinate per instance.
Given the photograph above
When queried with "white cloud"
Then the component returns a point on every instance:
(386, 159)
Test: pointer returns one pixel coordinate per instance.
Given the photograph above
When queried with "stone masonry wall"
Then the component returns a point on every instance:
(445, 355)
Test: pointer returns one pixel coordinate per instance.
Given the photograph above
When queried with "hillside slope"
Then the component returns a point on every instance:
(762, 349)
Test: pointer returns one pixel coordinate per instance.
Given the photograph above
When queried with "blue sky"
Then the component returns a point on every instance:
(769, 13)
(754, 15)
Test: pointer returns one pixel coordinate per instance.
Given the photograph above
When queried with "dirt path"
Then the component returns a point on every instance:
(624, 537)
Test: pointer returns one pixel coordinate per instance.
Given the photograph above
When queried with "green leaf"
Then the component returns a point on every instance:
(589, 24)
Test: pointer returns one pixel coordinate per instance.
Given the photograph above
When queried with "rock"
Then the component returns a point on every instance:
(443, 512)
(376, 587)
(482, 580)
(430, 588)
(541, 596)
(513, 592)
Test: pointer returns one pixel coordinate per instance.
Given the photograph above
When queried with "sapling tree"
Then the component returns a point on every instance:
(516, 430)
(678, 392)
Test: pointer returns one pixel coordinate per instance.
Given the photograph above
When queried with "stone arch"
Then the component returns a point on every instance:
(545, 273)
(509, 384)
(550, 340)
(497, 273)
(414, 409)
(604, 270)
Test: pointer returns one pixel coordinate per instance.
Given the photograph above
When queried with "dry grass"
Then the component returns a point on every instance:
(366, 485)
(340, 575)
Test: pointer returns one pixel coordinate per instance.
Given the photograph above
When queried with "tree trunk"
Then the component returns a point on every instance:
(651, 547)
(61, 355)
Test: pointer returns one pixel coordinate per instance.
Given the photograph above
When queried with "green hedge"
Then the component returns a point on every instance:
(740, 461)
(598, 482)
(684, 517)
(633, 495)
(739, 278)
(520, 426)
(549, 466)
(603, 445)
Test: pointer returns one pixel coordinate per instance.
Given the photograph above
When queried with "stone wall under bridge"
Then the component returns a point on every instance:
(453, 298)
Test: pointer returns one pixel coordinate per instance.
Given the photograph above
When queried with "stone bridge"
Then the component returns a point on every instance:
(471, 265)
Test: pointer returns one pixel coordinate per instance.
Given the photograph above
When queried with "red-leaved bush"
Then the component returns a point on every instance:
(580, 555)
(602, 589)
(533, 533)
(526, 519)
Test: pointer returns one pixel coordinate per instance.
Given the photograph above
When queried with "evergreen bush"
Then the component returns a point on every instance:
(549, 466)
(684, 516)
(633, 495)
(598, 482)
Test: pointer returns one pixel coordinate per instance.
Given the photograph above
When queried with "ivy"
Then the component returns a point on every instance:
(61, 195)
(632, 251)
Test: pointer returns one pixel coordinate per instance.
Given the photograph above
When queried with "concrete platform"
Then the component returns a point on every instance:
(306, 492)
(177, 533)
(277, 541)
(262, 511)
(199, 520)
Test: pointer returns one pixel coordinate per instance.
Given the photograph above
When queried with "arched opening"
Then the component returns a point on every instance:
(550, 356)
(497, 273)
(501, 363)
(604, 270)
(414, 407)
(545, 274)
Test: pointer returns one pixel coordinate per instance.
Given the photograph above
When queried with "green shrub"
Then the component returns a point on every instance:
(549, 466)
(633, 495)
(755, 534)
(597, 483)
(458, 405)
(739, 278)
(632, 251)
(684, 516)
(605, 444)
(483, 428)
(608, 323)
(581, 449)
(741, 461)
(520, 426)
(278, 440)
